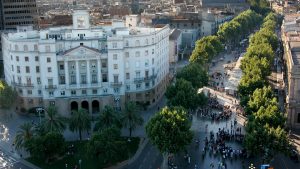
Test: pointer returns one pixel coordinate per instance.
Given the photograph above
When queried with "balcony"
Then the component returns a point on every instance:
(50, 87)
(139, 79)
(116, 83)
(148, 78)
(104, 70)
(23, 84)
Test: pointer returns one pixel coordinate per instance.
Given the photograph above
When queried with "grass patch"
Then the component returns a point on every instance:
(88, 162)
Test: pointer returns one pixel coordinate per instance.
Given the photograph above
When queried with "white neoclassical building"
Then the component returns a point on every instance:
(85, 66)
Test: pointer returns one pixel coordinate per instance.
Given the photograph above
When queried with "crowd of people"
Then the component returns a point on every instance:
(224, 112)
(216, 145)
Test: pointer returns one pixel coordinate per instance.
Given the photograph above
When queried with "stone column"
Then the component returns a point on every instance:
(66, 72)
(292, 84)
(77, 73)
(99, 71)
(88, 72)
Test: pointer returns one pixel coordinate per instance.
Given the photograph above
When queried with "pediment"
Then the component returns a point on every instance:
(82, 52)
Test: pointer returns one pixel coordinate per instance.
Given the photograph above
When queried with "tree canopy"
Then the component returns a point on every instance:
(169, 130)
(80, 121)
(183, 94)
(195, 74)
(7, 95)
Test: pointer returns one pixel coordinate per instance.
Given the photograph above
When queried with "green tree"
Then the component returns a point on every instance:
(261, 98)
(256, 64)
(130, 118)
(24, 134)
(7, 95)
(108, 118)
(53, 122)
(195, 74)
(80, 121)
(183, 94)
(170, 131)
(47, 147)
(107, 145)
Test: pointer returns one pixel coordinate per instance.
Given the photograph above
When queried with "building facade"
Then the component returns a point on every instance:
(87, 67)
(291, 44)
(19, 13)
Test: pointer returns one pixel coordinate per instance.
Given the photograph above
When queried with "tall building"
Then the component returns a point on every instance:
(291, 43)
(18, 13)
(1, 17)
(87, 67)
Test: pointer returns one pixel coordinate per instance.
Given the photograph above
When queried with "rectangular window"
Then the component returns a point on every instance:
(137, 64)
(127, 76)
(137, 74)
(104, 90)
(127, 87)
(26, 59)
(104, 78)
(37, 69)
(62, 93)
(116, 78)
(83, 92)
(38, 80)
(36, 58)
(18, 69)
(48, 60)
(17, 58)
(61, 67)
(73, 79)
(29, 92)
(47, 48)
(12, 67)
(62, 79)
(104, 64)
(146, 53)
(94, 78)
(83, 79)
(138, 86)
(95, 91)
(152, 51)
(127, 54)
(39, 92)
(137, 54)
(35, 47)
(115, 57)
(114, 44)
(51, 93)
(115, 66)
(73, 92)
(49, 69)
(27, 69)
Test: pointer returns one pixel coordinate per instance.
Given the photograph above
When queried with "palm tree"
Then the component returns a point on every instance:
(80, 121)
(53, 122)
(130, 118)
(23, 135)
(108, 118)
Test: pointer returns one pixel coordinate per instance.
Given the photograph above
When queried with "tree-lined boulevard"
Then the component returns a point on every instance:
(189, 128)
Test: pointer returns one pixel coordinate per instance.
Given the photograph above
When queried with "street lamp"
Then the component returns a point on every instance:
(251, 166)
(66, 165)
(80, 163)
(39, 110)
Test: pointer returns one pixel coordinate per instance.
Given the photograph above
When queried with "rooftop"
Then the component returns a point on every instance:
(295, 50)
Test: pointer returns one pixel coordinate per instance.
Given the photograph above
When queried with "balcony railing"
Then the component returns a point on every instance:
(23, 84)
(139, 79)
(50, 87)
(116, 83)
(104, 70)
